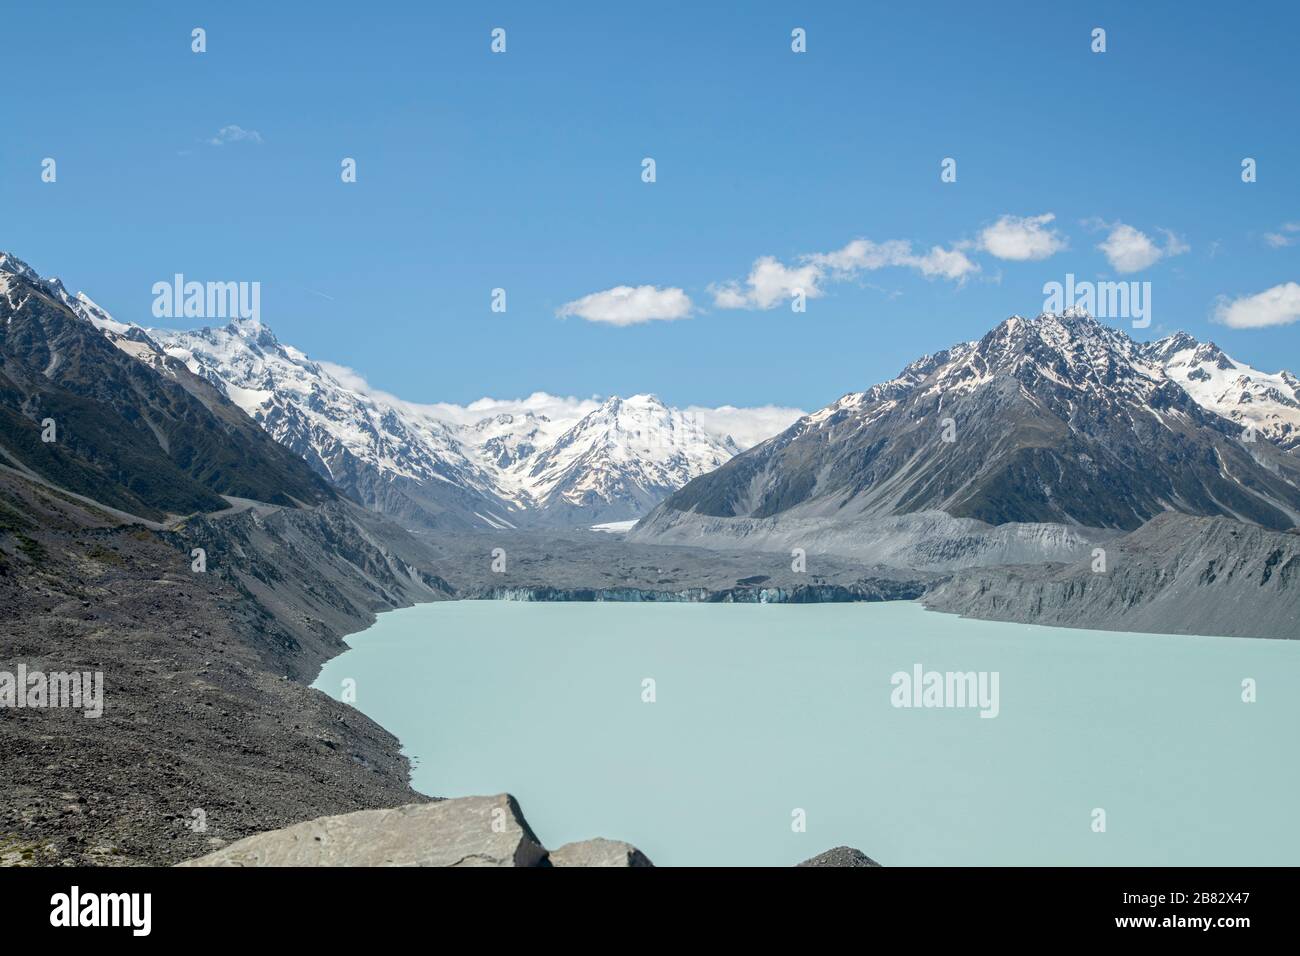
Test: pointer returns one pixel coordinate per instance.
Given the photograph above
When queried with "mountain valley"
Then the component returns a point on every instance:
(984, 480)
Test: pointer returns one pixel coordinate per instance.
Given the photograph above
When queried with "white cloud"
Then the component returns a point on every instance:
(1285, 235)
(1279, 305)
(235, 134)
(1130, 250)
(1022, 238)
(1174, 245)
(630, 305)
(863, 254)
(555, 407)
(746, 426)
(770, 281)
(946, 264)
(729, 296)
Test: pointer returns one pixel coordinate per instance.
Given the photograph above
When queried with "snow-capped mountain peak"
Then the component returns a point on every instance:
(504, 470)
(344, 433)
(1057, 419)
(14, 266)
(512, 468)
(1270, 402)
(618, 460)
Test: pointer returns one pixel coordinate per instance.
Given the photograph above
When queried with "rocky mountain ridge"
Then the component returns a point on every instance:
(1056, 421)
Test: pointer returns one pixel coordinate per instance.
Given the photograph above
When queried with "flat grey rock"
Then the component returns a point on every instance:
(599, 852)
(840, 856)
(468, 831)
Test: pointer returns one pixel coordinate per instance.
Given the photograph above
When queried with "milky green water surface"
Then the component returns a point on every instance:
(762, 710)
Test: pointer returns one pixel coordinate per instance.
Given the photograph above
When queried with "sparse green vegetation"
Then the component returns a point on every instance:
(32, 548)
(17, 853)
(11, 519)
(105, 556)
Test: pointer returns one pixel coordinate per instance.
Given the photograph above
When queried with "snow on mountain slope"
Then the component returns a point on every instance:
(1269, 402)
(526, 469)
(1056, 420)
(506, 440)
(439, 466)
(412, 467)
(620, 460)
(502, 470)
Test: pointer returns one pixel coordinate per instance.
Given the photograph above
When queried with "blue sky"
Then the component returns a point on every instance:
(523, 171)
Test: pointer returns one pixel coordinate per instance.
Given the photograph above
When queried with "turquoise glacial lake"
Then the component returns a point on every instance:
(766, 716)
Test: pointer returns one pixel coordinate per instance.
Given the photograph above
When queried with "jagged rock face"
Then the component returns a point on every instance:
(142, 436)
(467, 831)
(1052, 420)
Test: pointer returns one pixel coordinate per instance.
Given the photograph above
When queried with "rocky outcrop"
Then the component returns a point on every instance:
(840, 856)
(468, 831)
(599, 852)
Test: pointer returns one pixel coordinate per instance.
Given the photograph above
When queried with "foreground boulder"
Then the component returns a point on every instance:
(467, 831)
(840, 856)
(599, 852)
